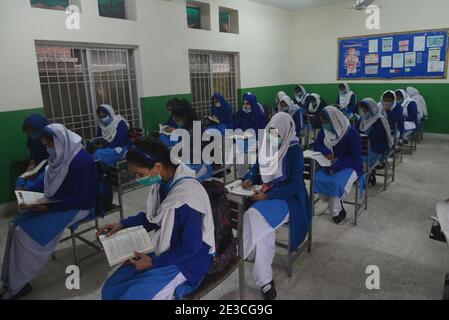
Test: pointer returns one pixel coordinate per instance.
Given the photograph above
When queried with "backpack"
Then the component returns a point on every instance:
(225, 242)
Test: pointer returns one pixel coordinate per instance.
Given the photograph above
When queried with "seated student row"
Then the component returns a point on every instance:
(76, 205)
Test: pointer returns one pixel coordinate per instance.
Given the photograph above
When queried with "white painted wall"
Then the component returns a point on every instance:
(160, 35)
(315, 32)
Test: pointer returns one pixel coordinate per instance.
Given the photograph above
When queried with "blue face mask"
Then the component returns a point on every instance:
(366, 116)
(35, 136)
(328, 127)
(344, 91)
(149, 181)
(180, 124)
(107, 120)
(51, 152)
(246, 110)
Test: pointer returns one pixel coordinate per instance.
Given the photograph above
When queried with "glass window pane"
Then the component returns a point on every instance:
(194, 17)
(112, 8)
(224, 22)
(50, 4)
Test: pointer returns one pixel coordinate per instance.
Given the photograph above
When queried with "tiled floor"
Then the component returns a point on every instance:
(392, 234)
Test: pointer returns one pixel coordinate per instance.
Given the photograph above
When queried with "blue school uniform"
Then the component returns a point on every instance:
(109, 154)
(254, 120)
(223, 113)
(77, 192)
(412, 110)
(188, 254)
(396, 116)
(38, 152)
(379, 143)
(348, 158)
(287, 196)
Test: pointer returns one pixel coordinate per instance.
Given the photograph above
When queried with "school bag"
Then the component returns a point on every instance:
(225, 242)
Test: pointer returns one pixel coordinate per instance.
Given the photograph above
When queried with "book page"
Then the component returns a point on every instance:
(443, 217)
(237, 189)
(26, 198)
(163, 130)
(122, 245)
(318, 157)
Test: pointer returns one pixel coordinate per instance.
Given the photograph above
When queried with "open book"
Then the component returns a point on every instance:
(121, 246)
(163, 129)
(236, 188)
(318, 157)
(212, 119)
(35, 171)
(26, 198)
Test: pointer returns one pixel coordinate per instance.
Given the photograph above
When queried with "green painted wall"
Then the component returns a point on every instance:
(13, 142)
(266, 95)
(154, 112)
(436, 95)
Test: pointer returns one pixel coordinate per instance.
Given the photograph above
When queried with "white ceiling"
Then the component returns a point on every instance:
(300, 4)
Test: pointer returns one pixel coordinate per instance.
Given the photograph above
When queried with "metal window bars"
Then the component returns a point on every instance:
(212, 72)
(75, 81)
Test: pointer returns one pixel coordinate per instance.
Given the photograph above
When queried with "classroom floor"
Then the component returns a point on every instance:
(392, 234)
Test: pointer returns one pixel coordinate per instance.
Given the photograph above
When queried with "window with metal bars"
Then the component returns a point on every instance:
(209, 73)
(75, 81)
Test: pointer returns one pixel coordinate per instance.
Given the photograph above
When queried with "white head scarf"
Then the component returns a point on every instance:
(406, 101)
(345, 99)
(292, 107)
(270, 163)
(186, 192)
(279, 97)
(381, 107)
(318, 102)
(420, 101)
(109, 132)
(67, 146)
(340, 124)
(365, 125)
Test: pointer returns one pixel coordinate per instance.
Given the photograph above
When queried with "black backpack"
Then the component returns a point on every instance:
(225, 242)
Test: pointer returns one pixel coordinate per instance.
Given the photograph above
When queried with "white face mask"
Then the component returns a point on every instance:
(217, 105)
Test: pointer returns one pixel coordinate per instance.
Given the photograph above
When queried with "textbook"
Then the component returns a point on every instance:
(236, 188)
(26, 198)
(318, 157)
(121, 246)
(35, 171)
(163, 130)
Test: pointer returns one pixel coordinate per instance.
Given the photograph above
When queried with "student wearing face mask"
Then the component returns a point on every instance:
(410, 112)
(33, 126)
(286, 105)
(71, 182)
(347, 101)
(283, 198)
(314, 105)
(183, 115)
(376, 126)
(171, 123)
(179, 213)
(393, 111)
(250, 115)
(300, 96)
(420, 101)
(277, 100)
(112, 141)
(221, 113)
(341, 144)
